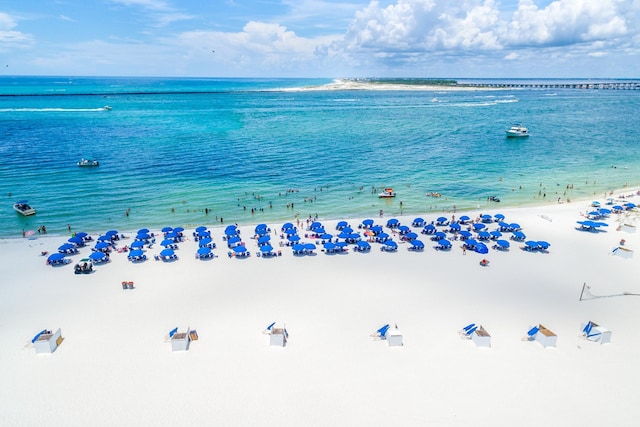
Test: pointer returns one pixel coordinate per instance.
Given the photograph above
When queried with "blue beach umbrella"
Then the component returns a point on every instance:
(76, 240)
(464, 218)
(56, 257)
(266, 248)
(502, 243)
(136, 253)
(66, 247)
(97, 256)
(465, 234)
(391, 244)
(455, 227)
(167, 253)
(309, 247)
(364, 244)
(240, 249)
(104, 238)
(264, 240)
(481, 248)
(167, 229)
(376, 229)
(367, 222)
(167, 242)
(143, 231)
(203, 251)
(294, 238)
(81, 234)
(137, 244)
(341, 224)
(178, 229)
(411, 236)
(103, 245)
(200, 228)
(478, 227)
(417, 243)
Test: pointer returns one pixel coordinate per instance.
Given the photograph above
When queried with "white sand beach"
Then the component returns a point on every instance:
(115, 366)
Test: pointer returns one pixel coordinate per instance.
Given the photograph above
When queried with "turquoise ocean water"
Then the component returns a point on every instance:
(192, 151)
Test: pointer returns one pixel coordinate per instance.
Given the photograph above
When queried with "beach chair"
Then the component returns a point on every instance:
(531, 333)
(380, 333)
(468, 330)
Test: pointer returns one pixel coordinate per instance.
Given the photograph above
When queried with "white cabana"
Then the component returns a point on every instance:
(47, 342)
(481, 337)
(546, 337)
(623, 252)
(593, 332)
(393, 337)
(180, 340)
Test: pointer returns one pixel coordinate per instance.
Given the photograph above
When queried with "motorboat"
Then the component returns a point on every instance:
(107, 108)
(387, 192)
(88, 162)
(517, 131)
(23, 208)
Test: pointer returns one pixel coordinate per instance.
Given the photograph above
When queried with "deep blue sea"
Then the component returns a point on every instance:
(194, 151)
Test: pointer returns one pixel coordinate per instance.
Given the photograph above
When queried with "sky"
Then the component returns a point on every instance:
(322, 38)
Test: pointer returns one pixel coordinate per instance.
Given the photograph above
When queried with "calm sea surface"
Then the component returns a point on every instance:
(192, 151)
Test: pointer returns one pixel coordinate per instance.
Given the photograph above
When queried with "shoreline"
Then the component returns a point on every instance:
(618, 193)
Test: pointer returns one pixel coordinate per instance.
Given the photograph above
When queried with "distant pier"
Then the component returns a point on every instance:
(548, 85)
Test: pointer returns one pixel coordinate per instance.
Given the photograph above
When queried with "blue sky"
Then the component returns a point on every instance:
(321, 38)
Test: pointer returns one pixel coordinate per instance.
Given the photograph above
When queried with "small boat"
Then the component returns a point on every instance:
(517, 131)
(23, 208)
(107, 108)
(88, 162)
(387, 192)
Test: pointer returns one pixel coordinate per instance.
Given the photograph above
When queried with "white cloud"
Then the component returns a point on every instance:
(10, 37)
(418, 31)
